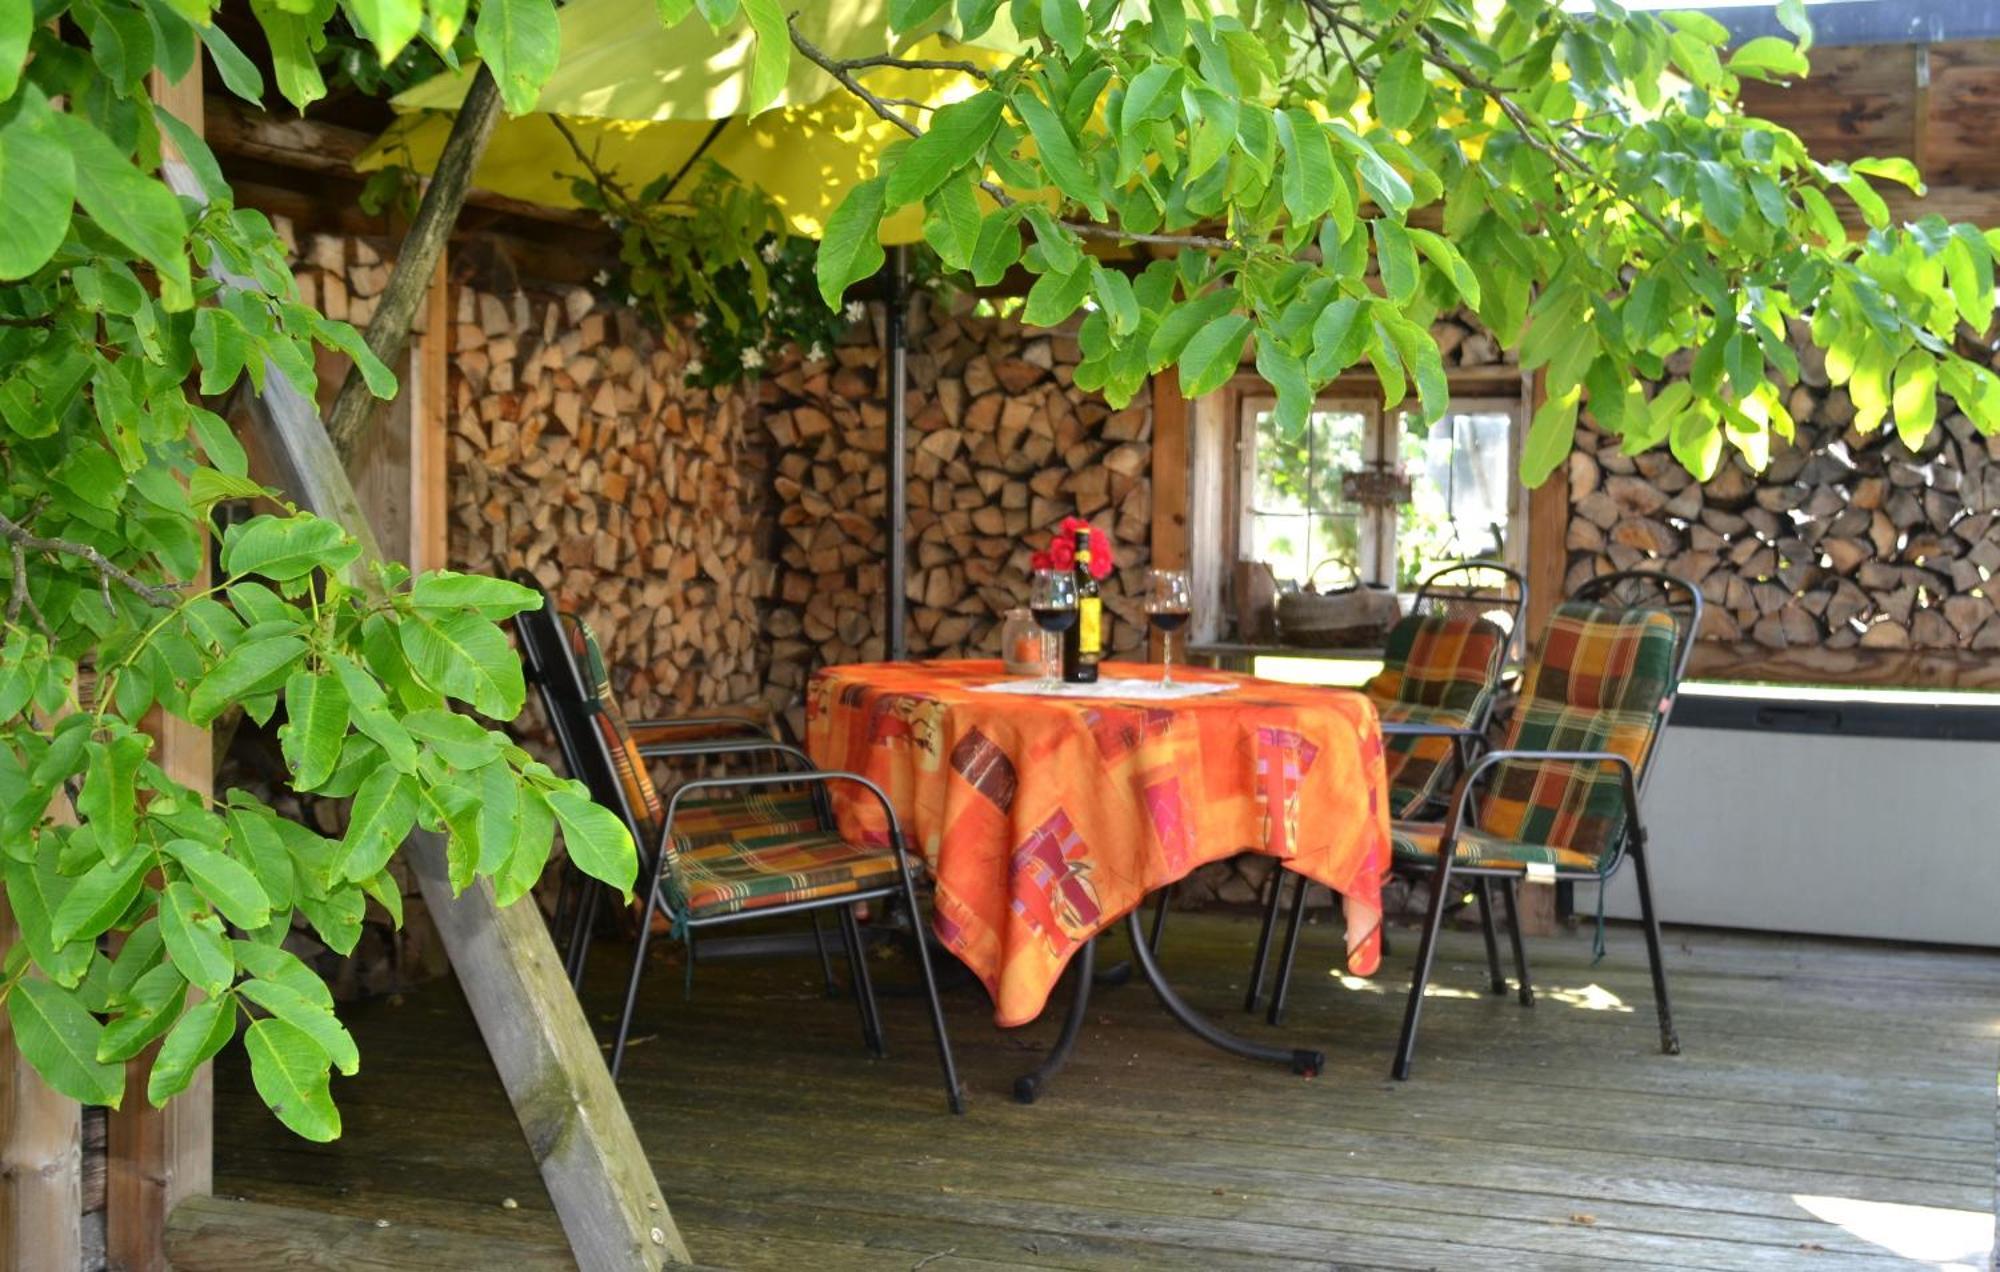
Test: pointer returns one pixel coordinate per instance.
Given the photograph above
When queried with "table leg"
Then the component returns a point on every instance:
(1301, 1060)
(1028, 1087)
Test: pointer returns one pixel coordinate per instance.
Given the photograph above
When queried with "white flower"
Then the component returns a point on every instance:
(631, 300)
(855, 311)
(815, 354)
(693, 368)
(772, 251)
(700, 319)
(753, 357)
(602, 278)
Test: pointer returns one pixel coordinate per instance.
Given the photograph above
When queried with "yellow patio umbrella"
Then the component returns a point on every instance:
(643, 101)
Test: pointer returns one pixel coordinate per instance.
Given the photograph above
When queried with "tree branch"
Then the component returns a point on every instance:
(417, 257)
(22, 541)
(843, 74)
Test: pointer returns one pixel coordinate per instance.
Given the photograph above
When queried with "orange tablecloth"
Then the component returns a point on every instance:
(1045, 820)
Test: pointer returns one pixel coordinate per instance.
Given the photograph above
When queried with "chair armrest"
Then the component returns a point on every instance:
(692, 728)
(1412, 729)
(725, 746)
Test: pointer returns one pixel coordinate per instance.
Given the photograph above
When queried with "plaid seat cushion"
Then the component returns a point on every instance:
(1416, 843)
(1601, 682)
(1436, 669)
(731, 856)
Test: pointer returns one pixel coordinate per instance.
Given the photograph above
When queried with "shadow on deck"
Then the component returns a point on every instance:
(1834, 1110)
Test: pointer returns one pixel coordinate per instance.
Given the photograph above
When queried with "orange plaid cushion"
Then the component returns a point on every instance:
(1417, 842)
(640, 793)
(1436, 669)
(750, 852)
(1601, 682)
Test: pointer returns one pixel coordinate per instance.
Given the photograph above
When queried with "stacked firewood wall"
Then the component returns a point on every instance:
(1003, 446)
(1846, 540)
(579, 454)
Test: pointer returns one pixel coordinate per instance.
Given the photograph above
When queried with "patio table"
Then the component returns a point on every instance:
(1044, 819)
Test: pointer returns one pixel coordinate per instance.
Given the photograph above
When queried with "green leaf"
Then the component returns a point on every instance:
(998, 249)
(1056, 150)
(1721, 195)
(520, 39)
(1396, 259)
(239, 74)
(1769, 56)
(368, 707)
(499, 813)
(37, 186)
(1181, 324)
(294, 41)
(258, 842)
(1968, 264)
(851, 248)
(1055, 297)
(773, 54)
(956, 135)
(1915, 398)
(289, 1069)
(1400, 91)
(1213, 354)
(951, 222)
(1309, 183)
(906, 15)
(205, 1030)
(109, 797)
(385, 808)
(1893, 168)
(312, 1018)
(59, 1038)
(1286, 375)
(533, 840)
(17, 28)
(1696, 440)
(194, 940)
(157, 1000)
(1063, 21)
(389, 24)
(673, 12)
(286, 548)
(1340, 337)
(598, 841)
(223, 882)
(254, 667)
(1550, 435)
(459, 740)
(1440, 252)
(101, 895)
(466, 657)
(315, 726)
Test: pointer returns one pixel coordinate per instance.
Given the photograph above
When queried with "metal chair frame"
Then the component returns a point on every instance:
(598, 771)
(1631, 842)
(1466, 744)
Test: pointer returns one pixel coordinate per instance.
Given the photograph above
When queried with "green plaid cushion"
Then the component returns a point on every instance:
(1416, 843)
(754, 851)
(1600, 682)
(1436, 669)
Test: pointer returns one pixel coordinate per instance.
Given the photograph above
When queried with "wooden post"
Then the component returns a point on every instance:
(1547, 563)
(41, 1158)
(1170, 482)
(429, 454)
(576, 1126)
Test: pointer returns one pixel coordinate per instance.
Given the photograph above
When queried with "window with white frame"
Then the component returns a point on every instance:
(1464, 501)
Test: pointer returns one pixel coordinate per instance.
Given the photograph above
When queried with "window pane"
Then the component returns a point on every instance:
(1283, 467)
(1459, 490)
(1282, 542)
(1336, 538)
(1339, 442)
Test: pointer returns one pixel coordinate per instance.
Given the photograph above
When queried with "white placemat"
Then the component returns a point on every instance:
(1109, 687)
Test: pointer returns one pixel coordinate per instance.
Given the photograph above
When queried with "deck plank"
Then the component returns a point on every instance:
(1555, 1137)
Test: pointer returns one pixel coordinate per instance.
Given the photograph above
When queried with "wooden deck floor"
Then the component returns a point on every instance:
(1834, 1110)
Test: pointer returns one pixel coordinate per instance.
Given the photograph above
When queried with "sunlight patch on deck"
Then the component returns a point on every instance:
(1583, 998)
(1929, 1234)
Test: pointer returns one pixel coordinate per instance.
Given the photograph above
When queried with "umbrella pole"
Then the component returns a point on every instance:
(896, 644)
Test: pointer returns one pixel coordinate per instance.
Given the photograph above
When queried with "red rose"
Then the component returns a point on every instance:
(1062, 547)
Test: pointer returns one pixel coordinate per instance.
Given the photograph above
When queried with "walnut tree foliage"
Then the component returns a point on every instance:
(1320, 178)
(150, 911)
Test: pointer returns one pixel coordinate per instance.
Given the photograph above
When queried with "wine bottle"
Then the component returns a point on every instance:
(1083, 644)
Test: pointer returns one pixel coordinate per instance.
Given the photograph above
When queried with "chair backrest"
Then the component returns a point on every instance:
(1446, 662)
(1602, 680)
(1482, 589)
(1651, 590)
(545, 662)
(620, 780)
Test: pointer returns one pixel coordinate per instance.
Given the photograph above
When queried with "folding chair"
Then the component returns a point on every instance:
(1560, 801)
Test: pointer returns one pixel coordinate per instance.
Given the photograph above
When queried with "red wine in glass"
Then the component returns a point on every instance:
(1168, 620)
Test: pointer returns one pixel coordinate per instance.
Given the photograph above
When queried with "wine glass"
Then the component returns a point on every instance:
(1052, 600)
(1167, 607)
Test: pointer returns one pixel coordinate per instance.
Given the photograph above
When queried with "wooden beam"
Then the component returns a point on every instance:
(430, 506)
(1170, 482)
(1547, 562)
(309, 145)
(547, 1057)
(41, 1156)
